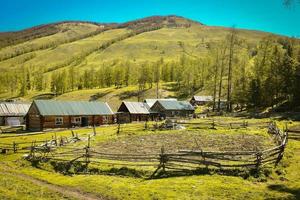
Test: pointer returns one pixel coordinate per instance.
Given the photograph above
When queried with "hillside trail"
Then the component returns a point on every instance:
(65, 191)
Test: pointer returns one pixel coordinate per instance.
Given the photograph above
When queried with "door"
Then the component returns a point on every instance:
(84, 121)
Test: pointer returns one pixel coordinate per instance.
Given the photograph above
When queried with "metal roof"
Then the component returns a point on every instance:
(151, 102)
(65, 108)
(13, 108)
(137, 107)
(176, 105)
(203, 98)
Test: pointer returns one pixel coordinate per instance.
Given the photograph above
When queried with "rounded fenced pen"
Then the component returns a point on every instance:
(88, 160)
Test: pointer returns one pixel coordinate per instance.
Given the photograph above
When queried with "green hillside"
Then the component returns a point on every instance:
(64, 57)
(76, 39)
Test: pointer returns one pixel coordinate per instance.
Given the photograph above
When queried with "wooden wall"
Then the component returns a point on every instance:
(33, 119)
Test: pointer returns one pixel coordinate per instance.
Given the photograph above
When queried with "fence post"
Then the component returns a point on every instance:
(15, 148)
(32, 150)
(258, 160)
(61, 141)
(87, 155)
(94, 130)
(163, 158)
(286, 127)
(162, 162)
(213, 124)
(245, 124)
(55, 137)
(282, 148)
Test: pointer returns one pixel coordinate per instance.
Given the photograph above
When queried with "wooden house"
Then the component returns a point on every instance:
(13, 113)
(66, 114)
(201, 100)
(134, 111)
(173, 108)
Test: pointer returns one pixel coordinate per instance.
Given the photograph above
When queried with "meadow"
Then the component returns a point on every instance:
(115, 182)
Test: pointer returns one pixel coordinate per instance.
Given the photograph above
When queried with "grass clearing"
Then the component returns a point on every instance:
(282, 183)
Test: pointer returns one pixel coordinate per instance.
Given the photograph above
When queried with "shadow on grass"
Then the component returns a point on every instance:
(80, 168)
(44, 96)
(295, 192)
(246, 173)
(99, 95)
(131, 94)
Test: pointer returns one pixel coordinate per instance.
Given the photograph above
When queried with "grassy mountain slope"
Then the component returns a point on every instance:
(85, 45)
(175, 36)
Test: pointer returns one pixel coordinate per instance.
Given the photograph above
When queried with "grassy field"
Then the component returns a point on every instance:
(282, 182)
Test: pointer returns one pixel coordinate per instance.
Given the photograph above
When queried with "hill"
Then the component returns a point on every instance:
(88, 55)
(57, 46)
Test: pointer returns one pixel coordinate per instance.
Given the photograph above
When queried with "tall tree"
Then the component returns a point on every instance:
(232, 41)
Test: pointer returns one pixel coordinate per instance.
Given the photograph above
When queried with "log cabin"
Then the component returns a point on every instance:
(44, 114)
(13, 113)
(201, 100)
(173, 108)
(134, 111)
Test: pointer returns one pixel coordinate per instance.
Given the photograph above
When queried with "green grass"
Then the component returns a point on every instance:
(282, 183)
(13, 187)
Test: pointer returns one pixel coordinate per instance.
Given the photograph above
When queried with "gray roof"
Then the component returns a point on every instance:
(13, 108)
(176, 105)
(65, 108)
(137, 107)
(151, 102)
(203, 98)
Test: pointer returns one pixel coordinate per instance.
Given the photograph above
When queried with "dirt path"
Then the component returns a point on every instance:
(66, 191)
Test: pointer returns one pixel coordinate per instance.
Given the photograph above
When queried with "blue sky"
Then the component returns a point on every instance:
(265, 15)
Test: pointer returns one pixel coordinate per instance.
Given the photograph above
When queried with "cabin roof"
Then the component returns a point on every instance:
(13, 108)
(203, 98)
(151, 102)
(65, 108)
(176, 105)
(137, 107)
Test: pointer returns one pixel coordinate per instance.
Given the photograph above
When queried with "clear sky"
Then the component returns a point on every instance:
(265, 15)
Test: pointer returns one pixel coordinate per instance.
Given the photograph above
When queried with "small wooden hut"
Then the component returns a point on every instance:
(13, 113)
(173, 108)
(134, 111)
(66, 114)
(201, 100)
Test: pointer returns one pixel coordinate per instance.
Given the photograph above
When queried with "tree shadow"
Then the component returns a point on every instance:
(283, 188)
(99, 95)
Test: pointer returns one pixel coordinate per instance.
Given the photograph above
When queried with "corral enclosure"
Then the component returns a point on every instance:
(180, 140)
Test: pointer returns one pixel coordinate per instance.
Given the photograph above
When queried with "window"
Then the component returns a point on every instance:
(59, 121)
(77, 120)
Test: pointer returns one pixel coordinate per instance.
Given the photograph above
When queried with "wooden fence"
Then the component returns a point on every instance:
(294, 133)
(25, 147)
(216, 123)
(181, 160)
